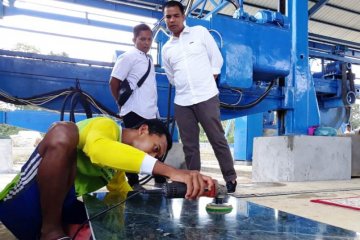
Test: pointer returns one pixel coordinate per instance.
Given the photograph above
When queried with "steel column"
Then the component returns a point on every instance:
(300, 98)
(246, 128)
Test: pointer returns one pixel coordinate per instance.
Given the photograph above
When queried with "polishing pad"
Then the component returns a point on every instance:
(214, 208)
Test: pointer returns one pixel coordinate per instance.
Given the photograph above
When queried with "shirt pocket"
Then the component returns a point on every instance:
(194, 48)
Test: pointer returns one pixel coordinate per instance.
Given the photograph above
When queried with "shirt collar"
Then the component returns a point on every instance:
(141, 52)
(185, 30)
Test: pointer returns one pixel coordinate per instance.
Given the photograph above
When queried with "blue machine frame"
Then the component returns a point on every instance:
(266, 69)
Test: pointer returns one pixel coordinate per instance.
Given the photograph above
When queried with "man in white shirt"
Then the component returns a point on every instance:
(192, 61)
(132, 65)
(142, 104)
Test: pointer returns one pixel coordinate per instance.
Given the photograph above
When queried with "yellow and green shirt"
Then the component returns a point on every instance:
(102, 159)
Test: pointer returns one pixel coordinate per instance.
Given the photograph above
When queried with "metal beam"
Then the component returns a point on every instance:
(1, 9)
(333, 57)
(316, 7)
(340, 8)
(152, 5)
(259, 6)
(331, 40)
(335, 25)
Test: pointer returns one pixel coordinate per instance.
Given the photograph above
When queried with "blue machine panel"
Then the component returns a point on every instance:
(252, 51)
(30, 77)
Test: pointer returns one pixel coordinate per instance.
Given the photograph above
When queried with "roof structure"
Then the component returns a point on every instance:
(337, 21)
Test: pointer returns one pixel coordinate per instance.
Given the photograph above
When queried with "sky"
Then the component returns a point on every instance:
(25, 25)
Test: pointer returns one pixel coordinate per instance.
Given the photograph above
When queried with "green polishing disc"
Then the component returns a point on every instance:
(214, 208)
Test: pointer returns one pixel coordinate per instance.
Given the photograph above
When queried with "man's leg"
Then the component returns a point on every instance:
(189, 134)
(56, 175)
(208, 113)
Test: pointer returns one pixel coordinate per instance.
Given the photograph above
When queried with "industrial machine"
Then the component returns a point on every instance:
(266, 69)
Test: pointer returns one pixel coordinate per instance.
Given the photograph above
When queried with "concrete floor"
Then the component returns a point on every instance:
(294, 197)
(291, 197)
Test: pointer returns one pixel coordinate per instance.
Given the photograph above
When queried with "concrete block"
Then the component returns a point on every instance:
(6, 161)
(355, 155)
(301, 158)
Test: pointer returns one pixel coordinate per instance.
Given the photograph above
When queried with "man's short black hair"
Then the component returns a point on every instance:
(141, 27)
(174, 4)
(157, 127)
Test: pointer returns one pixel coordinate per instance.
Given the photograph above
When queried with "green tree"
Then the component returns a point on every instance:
(7, 130)
(62, 54)
(355, 116)
(23, 47)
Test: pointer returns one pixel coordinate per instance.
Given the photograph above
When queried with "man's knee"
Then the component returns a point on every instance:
(62, 134)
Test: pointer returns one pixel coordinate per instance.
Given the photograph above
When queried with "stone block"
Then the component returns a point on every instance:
(301, 158)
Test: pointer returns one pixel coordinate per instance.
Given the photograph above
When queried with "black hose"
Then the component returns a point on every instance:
(249, 105)
(62, 111)
(74, 100)
(85, 98)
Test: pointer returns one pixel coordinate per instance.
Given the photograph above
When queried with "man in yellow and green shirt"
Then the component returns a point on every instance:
(73, 160)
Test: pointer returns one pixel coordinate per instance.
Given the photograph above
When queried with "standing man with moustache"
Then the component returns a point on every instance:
(192, 61)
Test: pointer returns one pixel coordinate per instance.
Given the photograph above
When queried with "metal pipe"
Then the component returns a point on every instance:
(188, 7)
(238, 3)
(282, 7)
(161, 28)
(153, 7)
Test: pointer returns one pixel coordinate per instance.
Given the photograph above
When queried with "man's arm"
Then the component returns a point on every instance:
(115, 87)
(213, 52)
(121, 70)
(167, 66)
(102, 148)
(195, 182)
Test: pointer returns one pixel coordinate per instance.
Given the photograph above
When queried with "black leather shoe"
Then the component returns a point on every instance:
(231, 187)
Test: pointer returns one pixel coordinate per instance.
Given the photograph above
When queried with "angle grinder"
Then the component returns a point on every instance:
(219, 192)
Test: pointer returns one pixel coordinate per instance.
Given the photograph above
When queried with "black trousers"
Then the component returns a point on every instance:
(206, 113)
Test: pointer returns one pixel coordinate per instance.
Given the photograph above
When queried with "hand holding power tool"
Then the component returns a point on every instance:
(218, 192)
(178, 190)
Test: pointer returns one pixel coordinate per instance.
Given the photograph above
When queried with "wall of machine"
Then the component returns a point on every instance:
(266, 69)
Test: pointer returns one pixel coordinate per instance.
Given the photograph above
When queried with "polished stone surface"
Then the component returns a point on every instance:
(151, 216)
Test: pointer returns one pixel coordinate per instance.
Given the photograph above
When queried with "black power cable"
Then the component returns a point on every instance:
(38, 100)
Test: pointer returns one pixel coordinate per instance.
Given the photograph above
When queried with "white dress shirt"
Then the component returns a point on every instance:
(132, 65)
(190, 62)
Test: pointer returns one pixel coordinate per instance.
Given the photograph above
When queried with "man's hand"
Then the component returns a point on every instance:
(196, 183)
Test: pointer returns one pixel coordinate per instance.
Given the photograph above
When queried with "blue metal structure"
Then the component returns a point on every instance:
(51, 82)
(252, 61)
(266, 69)
(246, 128)
(34, 120)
